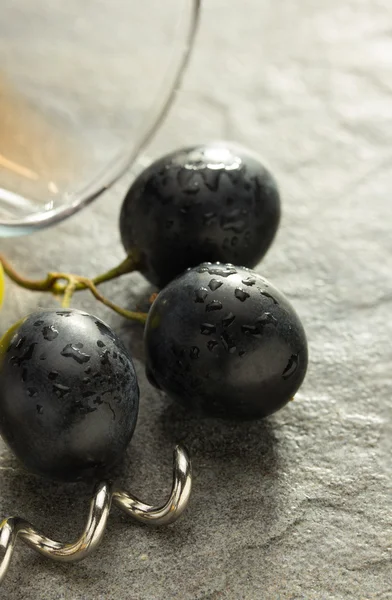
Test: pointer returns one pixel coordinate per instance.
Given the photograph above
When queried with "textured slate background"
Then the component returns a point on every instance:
(298, 506)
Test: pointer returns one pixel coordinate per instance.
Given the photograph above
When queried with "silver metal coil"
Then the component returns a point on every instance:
(105, 494)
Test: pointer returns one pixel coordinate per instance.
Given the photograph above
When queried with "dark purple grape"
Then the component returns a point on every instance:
(224, 339)
(69, 396)
(212, 202)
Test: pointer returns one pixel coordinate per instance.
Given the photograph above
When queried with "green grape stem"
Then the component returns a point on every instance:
(126, 266)
(68, 292)
(53, 283)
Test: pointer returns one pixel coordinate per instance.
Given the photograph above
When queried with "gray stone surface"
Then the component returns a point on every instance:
(298, 506)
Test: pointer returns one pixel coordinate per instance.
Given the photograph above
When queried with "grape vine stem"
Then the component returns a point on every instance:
(53, 283)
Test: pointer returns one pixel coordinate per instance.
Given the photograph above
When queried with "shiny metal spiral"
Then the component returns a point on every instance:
(105, 494)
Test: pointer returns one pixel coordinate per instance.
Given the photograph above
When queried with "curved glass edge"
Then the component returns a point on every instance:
(126, 157)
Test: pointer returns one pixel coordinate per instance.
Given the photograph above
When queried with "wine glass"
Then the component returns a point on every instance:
(84, 86)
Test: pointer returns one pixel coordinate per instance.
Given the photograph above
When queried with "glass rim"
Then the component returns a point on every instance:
(73, 202)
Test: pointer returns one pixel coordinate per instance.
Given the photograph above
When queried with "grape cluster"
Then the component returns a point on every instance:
(219, 338)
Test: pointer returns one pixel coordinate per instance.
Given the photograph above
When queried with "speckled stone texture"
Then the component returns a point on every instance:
(298, 506)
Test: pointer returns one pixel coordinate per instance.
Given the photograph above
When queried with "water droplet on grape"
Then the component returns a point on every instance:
(211, 179)
(192, 188)
(194, 353)
(217, 269)
(267, 295)
(105, 357)
(291, 367)
(241, 295)
(100, 344)
(60, 390)
(24, 375)
(50, 333)
(207, 328)
(72, 351)
(40, 409)
(228, 320)
(215, 284)
(53, 375)
(260, 323)
(211, 345)
(228, 343)
(104, 330)
(249, 281)
(267, 319)
(32, 392)
(214, 305)
(20, 342)
(17, 362)
(201, 294)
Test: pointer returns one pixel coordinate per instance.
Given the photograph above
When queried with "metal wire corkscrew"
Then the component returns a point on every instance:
(105, 494)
